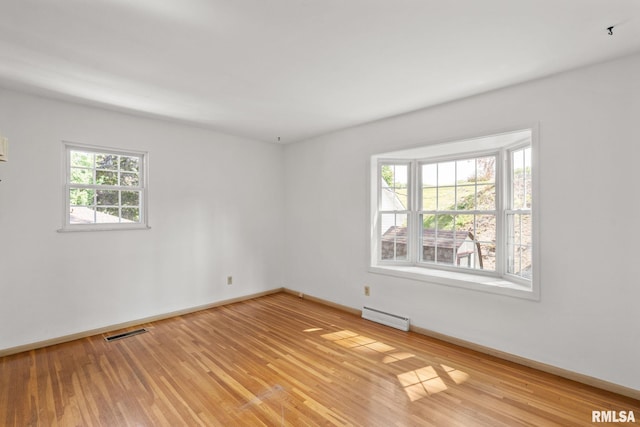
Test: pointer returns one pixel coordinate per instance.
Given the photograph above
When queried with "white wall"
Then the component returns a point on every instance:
(212, 215)
(587, 319)
(215, 208)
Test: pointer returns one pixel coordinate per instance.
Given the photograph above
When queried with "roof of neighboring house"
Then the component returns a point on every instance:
(85, 215)
(445, 238)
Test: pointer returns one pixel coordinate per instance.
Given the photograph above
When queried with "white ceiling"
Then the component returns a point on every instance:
(298, 68)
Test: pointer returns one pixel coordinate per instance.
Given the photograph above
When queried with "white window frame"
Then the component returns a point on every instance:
(142, 187)
(498, 281)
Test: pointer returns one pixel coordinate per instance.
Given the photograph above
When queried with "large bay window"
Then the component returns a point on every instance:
(458, 213)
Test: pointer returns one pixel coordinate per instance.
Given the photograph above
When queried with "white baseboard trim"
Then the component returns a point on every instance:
(137, 322)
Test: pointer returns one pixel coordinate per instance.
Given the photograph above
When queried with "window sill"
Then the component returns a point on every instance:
(121, 227)
(476, 282)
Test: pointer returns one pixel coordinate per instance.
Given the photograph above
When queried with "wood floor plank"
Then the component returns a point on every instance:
(281, 360)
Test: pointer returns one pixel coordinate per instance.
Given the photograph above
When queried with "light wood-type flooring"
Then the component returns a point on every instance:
(281, 360)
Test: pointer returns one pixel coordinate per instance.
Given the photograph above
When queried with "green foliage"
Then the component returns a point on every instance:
(468, 202)
(81, 159)
(105, 169)
(81, 176)
(81, 197)
(387, 175)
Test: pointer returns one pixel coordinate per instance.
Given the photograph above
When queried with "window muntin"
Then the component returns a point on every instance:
(472, 198)
(104, 188)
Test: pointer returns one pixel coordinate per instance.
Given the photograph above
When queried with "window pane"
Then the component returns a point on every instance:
(106, 178)
(107, 215)
(486, 197)
(130, 198)
(428, 252)
(81, 197)
(428, 221)
(401, 176)
(446, 173)
(82, 159)
(465, 223)
(81, 176)
(444, 222)
(429, 199)
(520, 261)
(130, 214)
(128, 179)
(486, 169)
(446, 198)
(522, 229)
(465, 171)
(107, 197)
(485, 238)
(519, 258)
(82, 215)
(393, 242)
(528, 197)
(486, 228)
(437, 239)
(106, 161)
(402, 198)
(521, 179)
(430, 175)
(129, 164)
(466, 197)
(488, 256)
(394, 184)
(401, 180)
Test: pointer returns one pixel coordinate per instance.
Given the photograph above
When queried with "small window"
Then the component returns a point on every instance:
(104, 189)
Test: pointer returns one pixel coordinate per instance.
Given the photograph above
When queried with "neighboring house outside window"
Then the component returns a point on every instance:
(104, 189)
(459, 213)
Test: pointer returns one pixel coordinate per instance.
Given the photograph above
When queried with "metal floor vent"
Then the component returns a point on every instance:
(125, 335)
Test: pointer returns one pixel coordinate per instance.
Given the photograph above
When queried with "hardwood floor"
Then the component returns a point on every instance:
(281, 360)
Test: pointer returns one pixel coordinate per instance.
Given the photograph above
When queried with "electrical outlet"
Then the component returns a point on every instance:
(229, 280)
(367, 291)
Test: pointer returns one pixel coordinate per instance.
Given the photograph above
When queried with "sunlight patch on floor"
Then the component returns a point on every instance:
(396, 357)
(455, 374)
(421, 383)
(349, 339)
(418, 383)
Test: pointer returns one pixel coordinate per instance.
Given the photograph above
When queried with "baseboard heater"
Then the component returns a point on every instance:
(393, 320)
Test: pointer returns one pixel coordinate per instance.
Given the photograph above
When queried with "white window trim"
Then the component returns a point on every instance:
(67, 147)
(508, 285)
